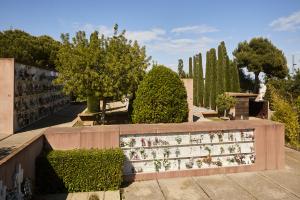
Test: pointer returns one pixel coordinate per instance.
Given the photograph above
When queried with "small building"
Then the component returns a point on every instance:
(246, 106)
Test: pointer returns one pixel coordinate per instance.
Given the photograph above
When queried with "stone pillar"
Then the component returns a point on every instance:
(6, 96)
(188, 84)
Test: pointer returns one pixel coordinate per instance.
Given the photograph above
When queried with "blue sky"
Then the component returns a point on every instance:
(169, 29)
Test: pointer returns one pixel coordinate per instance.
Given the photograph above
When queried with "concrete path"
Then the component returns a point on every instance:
(107, 195)
(65, 118)
(274, 184)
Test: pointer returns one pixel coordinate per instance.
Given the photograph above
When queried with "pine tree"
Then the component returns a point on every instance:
(235, 77)
(195, 80)
(208, 80)
(190, 67)
(214, 73)
(221, 68)
(200, 83)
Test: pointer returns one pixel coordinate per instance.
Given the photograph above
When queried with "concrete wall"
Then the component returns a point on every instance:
(24, 155)
(188, 84)
(269, 142)
(6, 95)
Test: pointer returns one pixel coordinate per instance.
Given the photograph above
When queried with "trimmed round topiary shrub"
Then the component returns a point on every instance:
(160, 98)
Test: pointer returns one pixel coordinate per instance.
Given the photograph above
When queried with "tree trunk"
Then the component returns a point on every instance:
(93, 104)
(103, 111)
(256, 85)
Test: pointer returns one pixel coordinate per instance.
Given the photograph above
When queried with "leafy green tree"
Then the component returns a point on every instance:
(208, 81)
(284, 113)
(260, 55)
(30, 50)
(181, 72)
(190, 67)
(200, 81)
(221, 87)
(195, 81)
(100, 68)
(160, 98)
(214, 74)
(224, 103)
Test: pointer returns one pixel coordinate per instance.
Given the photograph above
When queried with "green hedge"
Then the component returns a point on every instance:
(160, 98)
(79, 170)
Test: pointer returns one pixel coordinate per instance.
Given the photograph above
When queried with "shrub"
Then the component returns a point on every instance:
(224, 103)
(160, 98)
(284, 113)
(79, 170)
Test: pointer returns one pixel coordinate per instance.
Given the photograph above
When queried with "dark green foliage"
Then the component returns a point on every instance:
(228, 75)
(195, 81)
(208, 81)
(200, 82)
(247, 84)
(190, 67)
(260, 55)
(295, 85)
(79, 170)
(160, 98)
(181, 72)
(38, 51)
(214, 74)
(221, 87)
(235, 79)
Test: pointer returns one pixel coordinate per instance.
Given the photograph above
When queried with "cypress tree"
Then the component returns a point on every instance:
(228, 75)
(235, 77)
(195, 80)
(214, 73)
(190, 67)
(221, 69)
(181, 72)
(200, 83)
(208, 80)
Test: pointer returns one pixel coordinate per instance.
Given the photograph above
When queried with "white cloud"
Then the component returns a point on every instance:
(146, 36)
(288, 23)
(183, 45)
(89, 28)
(195, 29)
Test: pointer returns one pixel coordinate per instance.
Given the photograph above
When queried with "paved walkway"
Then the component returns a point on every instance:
(64, 118)
(275, 184)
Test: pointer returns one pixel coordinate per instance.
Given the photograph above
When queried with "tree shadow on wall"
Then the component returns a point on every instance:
(4, 151)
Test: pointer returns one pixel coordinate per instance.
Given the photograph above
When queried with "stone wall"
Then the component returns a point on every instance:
(188, 84)
(268, 146)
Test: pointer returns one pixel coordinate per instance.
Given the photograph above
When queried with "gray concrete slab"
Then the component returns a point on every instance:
(181, 188)
(112, 195)
(260, 187)
(220, 187)
(289, 178)
(144, 190)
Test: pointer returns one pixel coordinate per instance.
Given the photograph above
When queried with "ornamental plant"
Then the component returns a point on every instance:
(224, 103)
(284, 113)
(161, 98)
